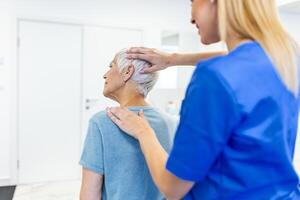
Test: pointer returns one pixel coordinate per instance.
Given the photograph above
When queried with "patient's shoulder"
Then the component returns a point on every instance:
(101, 118)
(108, 129)
(170, 120)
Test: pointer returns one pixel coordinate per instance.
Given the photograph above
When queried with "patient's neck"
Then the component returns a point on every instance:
(133, 101)
(128, 96)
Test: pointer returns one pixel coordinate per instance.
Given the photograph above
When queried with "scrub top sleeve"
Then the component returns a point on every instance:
(92, 155)
(207, 117)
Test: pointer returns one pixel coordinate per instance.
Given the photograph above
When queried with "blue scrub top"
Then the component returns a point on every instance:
(238, 127)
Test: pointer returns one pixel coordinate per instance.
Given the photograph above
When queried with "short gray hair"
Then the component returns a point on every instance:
(144, 82)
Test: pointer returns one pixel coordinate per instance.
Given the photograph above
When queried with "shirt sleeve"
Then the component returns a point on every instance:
(92, 154)
(207, 117)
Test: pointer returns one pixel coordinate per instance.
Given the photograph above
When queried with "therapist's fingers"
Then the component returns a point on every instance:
(146, 57)
(119, 112)
(151, 69)
(128, 121)
(139, 50)
(113, 117)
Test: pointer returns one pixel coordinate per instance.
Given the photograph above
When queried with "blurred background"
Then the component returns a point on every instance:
(53, 54)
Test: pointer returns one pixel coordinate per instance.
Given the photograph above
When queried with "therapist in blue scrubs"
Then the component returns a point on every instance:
(238, 120)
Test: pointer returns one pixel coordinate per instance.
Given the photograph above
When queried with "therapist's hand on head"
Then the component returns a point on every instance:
(131, 123)
(159, 60)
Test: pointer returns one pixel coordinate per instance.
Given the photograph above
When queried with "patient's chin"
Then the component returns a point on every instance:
(107, 94)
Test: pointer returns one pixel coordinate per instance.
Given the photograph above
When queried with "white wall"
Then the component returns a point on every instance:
(7, 138)
(291, 22)
(126, 11)
(284, 2)
(151, 16)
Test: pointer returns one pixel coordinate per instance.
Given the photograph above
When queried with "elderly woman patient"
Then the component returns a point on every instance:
(113, 165)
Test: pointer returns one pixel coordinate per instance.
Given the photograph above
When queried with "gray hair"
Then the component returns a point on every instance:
(144, 82)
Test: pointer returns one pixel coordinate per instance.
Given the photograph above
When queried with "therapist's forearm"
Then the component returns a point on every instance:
(155, 155)
(156, 158)
(192, 59)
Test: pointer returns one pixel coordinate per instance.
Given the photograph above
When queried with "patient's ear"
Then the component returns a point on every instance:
(128, 72)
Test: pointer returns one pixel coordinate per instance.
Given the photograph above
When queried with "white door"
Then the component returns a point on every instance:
(100, 46)
(50, 57)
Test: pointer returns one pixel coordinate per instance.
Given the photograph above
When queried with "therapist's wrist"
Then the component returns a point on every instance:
(174, 59)
(144, 134)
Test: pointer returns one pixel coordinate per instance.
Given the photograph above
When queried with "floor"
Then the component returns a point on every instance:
(68, 190)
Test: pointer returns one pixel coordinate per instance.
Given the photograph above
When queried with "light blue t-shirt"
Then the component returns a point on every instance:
(110, 152)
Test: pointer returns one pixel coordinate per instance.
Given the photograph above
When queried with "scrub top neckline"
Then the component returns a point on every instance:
(242, 44)
(237, 48)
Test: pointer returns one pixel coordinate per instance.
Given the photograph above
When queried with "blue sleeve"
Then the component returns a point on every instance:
(207, 117)
(92, 155)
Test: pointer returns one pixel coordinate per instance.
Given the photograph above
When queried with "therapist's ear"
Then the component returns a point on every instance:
(128, 72)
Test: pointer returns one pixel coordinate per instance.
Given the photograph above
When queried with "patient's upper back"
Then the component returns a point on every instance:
(124, 164)
(163, 125)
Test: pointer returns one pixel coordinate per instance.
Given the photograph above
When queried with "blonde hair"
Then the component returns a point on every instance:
(258, 20)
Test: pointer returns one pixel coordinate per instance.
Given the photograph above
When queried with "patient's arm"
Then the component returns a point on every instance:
(91, 185)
